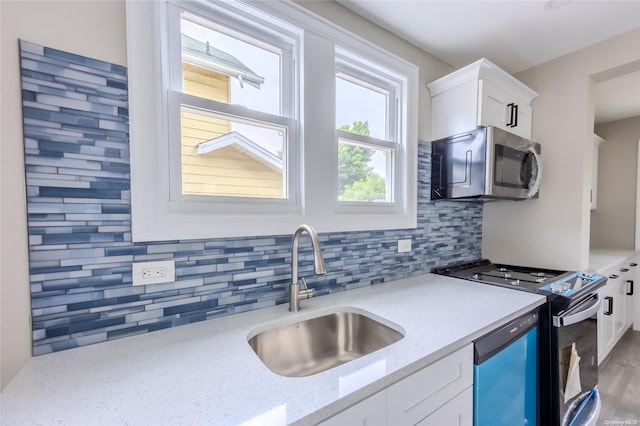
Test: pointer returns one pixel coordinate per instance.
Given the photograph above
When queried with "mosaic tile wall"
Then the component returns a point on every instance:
(79, 224)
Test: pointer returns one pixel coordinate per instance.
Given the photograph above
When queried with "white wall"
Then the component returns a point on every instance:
(613, 223)
(553, 231)
(97, 29)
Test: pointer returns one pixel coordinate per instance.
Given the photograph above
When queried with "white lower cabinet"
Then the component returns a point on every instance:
(370, 412)
(617, 311)
(606, 320)
(439, 394)
(412, 400)
(457, 412)
(630, 287)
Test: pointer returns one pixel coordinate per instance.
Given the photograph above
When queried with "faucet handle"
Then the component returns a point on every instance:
(306, 293)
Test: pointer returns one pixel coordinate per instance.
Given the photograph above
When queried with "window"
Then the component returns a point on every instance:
(241, 122)
(237, 122)
(368, 123)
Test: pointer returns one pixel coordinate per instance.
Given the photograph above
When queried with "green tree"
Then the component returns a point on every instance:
(371, 188)
(356, 179)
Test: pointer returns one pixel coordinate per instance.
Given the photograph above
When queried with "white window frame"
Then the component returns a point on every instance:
(363, 71)
(157, 216)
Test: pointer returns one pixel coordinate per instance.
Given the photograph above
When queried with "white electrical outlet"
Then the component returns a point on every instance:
(404, 246)
(143, 273)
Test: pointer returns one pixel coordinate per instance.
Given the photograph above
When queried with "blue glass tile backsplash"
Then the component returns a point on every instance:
(76, 146)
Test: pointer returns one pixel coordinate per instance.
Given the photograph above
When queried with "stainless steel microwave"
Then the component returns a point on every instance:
(486, 163)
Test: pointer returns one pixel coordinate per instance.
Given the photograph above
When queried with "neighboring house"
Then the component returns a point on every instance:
(216, 160)
(242, 167)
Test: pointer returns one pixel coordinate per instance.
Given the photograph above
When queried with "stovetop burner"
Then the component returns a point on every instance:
(522, 277)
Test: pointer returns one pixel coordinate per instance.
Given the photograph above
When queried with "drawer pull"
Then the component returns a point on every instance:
(624, 269)
(614, 277)
(609, 310)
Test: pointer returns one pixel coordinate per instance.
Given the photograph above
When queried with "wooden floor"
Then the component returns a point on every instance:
(619, 383)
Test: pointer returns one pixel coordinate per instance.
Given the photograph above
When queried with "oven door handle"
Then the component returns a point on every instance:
(562, 321)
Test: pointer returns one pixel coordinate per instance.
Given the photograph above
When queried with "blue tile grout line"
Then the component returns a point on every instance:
(75, 112)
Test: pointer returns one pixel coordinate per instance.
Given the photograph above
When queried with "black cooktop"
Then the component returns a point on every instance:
(560, 287)
(520, 277)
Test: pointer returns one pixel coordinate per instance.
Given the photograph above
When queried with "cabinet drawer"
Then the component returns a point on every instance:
(413, 399)
(370, 412)
(457, 412)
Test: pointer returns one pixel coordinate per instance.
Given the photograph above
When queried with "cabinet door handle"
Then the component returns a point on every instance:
(511, 107)
(609, 310)
(630, 288)
(515, 116)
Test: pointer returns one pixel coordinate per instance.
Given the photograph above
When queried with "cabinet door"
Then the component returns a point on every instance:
(457, 412)
(370, 412)
(454, 111)
(606, 320)
(501, 109)
(415, 398)
(620, 304)
(630, 284)
(636, 297)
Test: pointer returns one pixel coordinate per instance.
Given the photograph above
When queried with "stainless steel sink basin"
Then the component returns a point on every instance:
(317, 344)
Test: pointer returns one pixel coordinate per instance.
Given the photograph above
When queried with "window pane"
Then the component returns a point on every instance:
(227, 69)
(226, 157)
(364, 173)
(360, 109)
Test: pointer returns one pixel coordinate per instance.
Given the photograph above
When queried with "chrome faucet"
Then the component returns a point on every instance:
(295, 294)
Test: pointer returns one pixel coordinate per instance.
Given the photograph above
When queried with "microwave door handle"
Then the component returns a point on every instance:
(535, 186)
(562, 321)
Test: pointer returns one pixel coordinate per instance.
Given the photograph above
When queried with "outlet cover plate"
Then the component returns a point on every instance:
(143, 273)
(404, 246)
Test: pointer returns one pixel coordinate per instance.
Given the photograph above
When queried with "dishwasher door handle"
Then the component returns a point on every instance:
(562, 321)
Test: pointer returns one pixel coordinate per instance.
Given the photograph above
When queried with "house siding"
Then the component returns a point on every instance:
(224, 172)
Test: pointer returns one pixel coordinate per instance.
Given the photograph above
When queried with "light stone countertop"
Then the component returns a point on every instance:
(206, 373)
(601, 259)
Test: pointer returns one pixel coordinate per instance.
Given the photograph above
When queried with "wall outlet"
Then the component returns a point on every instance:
(404, 246)
(143, 273)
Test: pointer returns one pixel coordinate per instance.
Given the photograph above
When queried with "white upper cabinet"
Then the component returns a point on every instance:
(480, 94)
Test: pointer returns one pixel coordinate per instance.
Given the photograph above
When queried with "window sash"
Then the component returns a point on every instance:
(180, 202)
(391, 166)
(371, 76)
(236, 22)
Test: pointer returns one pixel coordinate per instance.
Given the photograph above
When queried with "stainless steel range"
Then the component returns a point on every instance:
(567, 342)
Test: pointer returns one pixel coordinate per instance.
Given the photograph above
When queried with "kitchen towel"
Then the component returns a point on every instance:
(573, 386)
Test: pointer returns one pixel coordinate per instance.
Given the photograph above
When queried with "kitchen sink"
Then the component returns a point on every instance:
(317, 344)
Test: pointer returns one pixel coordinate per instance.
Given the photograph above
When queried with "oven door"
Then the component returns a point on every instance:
(576, 362)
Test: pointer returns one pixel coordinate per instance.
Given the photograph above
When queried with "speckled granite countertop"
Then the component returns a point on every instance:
(206, 373)
(601, 259)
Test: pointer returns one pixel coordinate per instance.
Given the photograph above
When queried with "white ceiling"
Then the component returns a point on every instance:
(515, 35)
